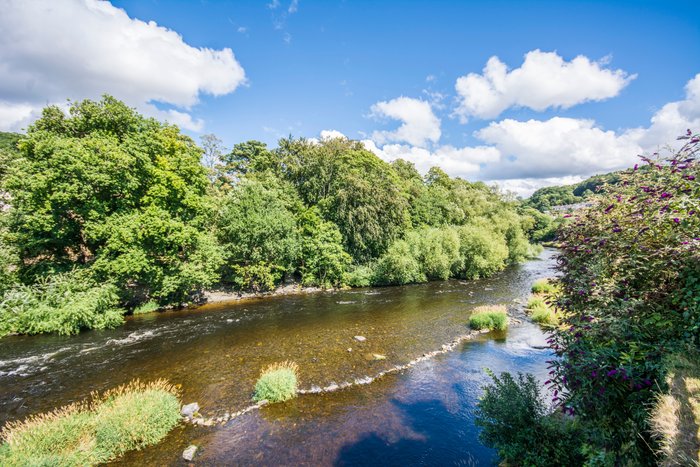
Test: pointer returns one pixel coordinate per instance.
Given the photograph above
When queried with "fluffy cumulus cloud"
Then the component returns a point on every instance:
(544, 80)
(522, 156)
(420, 125)
(458, 162)
(50, 51)
(556, 147)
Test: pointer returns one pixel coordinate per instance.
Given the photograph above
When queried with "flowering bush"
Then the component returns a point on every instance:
(631, 294)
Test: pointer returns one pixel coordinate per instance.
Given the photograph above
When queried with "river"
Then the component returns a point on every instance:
(422, 415)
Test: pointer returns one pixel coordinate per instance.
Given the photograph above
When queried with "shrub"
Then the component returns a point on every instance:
(399, 266)
(630, 295)
(277, 382)
(544, 286)
(129, 417)
(540, 311)
(492, 317)
(515, 421)
(64, 303)
(482, 251)
(360, 276)
(148, 307)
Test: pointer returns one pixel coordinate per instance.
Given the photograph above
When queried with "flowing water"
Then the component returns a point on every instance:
(422, 415)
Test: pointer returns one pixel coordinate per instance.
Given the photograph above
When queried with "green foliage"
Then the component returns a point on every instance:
(148, 307)
(8, 152)
(9, 260)
(130, 417)
(156, 257)
(399, 266)
(546, 198)
(277, 383)
(543, 286)
(324, 261)
(352, 188)
(64, 303)
(630, 294)
(360, 276)
(482, 251)
(515, 421)
(436, 250)
(106, 185)
(257, 228)
(491, 318)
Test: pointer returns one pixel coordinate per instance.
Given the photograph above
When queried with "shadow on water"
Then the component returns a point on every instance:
(436, 442)
(423, 415)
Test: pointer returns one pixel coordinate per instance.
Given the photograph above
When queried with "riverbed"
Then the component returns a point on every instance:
(422, 415)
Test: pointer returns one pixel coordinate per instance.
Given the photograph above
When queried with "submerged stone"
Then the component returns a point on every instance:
(188, 454)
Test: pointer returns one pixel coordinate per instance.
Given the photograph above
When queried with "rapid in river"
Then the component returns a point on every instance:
(421, 415)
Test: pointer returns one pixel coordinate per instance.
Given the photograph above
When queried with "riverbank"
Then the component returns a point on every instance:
(217, 296)
(215, 353)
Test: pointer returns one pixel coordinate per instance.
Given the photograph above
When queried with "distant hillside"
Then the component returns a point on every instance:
(546, 198)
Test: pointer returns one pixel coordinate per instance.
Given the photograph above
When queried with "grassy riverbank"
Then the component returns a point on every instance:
(93, 432)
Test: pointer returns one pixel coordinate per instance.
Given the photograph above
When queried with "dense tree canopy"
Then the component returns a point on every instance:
(103, 202)
(105, 185)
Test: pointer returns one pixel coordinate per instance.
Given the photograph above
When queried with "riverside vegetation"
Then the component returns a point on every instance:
(629, 303)
(104, 212)
(129, 417)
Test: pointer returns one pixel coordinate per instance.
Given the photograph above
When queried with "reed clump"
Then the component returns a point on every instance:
(95, 431)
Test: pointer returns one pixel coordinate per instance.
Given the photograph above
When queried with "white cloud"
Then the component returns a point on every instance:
(293, 7)
(459, 162)
(522, 156)
(420, 125)
(544, 80)
(556, 147)
(673, 119)
(526, 186)
(51, 51)
(332, 134)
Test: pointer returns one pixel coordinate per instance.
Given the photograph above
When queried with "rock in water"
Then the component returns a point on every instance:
(360, 338)
(188, 454)
(189, 410)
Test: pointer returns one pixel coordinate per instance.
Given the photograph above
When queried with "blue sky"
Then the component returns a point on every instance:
(311, 66)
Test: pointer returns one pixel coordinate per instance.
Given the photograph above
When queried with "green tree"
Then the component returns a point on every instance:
(324, 261)
(258, 231)
(352, 188)
(99, 185)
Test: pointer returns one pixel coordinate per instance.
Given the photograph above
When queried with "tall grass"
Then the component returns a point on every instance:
(538, 306)
(489, 317)
(277, 383)
(675, 414)
(544, 286)
(129, 417)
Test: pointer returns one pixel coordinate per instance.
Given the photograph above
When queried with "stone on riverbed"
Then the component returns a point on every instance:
(189, 410)
(188, 454)
(360, 338)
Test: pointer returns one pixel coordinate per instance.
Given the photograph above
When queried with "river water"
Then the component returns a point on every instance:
(423, 415)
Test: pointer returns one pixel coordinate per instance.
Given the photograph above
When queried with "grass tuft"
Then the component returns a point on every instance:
(92, 432)
(675, 414)
(543, 286)
(277, 383)
(489, 317)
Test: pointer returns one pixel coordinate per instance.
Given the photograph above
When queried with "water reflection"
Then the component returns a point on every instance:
(423, 415)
